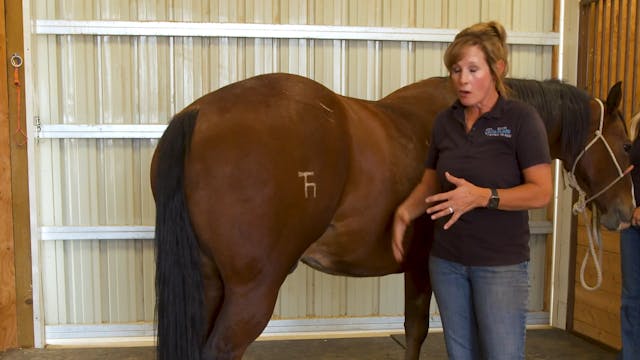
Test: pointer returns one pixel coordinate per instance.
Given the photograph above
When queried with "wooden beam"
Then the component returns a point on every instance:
(597, 68)
(555, 56)
(19, 181)
(8, 315)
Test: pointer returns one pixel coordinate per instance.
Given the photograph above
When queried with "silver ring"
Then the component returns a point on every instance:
(450, 210)
(16, 60)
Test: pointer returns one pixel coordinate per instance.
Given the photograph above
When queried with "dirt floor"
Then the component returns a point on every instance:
(541, 344)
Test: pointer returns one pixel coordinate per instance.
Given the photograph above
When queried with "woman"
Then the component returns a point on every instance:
(630, 264)
(488, 163)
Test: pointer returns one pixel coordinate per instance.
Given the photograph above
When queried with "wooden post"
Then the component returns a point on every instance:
(15, 233)
(8, 314)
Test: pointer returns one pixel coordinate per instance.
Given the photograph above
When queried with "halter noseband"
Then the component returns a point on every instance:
(581, 204)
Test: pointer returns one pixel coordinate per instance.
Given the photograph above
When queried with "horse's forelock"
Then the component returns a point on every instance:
(558, 104)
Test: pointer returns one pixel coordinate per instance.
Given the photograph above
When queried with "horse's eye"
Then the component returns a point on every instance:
(627, 147)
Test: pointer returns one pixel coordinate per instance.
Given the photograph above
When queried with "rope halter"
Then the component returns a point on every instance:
(593, 226)
(581, 203)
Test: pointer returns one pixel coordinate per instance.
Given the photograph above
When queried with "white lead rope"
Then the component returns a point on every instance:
(593, 232)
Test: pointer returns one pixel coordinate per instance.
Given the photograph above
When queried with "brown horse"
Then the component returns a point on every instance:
(258, 175)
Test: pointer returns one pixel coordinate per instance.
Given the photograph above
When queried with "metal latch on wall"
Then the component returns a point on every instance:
(37, 125)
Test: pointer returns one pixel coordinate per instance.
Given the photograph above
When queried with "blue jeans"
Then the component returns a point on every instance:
(630, 299)
(483, 308)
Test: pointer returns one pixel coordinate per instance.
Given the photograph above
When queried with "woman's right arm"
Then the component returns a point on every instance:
(412, 207)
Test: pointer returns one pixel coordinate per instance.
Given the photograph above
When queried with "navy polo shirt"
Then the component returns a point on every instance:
(504, 141)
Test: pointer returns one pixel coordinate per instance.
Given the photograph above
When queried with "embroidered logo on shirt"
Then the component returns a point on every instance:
(499, 131)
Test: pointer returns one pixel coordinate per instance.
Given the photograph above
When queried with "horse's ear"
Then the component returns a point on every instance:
(614, 97)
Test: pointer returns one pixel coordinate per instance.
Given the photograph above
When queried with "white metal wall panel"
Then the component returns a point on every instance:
(133, 79)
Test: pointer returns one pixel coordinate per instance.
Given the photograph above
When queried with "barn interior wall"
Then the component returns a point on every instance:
(133, 79)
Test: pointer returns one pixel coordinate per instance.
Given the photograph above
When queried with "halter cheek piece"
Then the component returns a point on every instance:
(581, 204)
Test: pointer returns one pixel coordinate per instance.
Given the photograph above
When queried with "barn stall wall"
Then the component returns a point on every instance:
(608, 52)
(107, 76)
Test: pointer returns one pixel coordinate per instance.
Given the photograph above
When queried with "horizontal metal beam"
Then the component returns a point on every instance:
(78, 333)
(277, 31)
(103, 131)
(96, 232)
(148, 232)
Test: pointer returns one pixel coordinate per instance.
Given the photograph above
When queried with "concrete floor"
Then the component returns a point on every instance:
(541, 345)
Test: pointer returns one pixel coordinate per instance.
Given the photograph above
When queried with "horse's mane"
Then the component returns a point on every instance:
(557, 101)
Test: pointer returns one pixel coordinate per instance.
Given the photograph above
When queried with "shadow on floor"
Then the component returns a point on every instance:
(541, 345)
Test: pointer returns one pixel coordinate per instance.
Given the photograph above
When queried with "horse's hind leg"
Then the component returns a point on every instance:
(244, 314)
(213, 291)
(417, 301)
(417, 288)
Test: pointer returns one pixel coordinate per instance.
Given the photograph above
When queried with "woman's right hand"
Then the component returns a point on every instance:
(635, 219)
(413, 206)
(401, 220)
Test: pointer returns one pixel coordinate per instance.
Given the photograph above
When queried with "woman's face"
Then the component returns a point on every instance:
(472, 79)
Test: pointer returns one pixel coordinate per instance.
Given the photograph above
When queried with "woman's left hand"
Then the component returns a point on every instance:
(465, 197)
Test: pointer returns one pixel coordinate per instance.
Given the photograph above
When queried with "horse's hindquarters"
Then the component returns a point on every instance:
(265, 173)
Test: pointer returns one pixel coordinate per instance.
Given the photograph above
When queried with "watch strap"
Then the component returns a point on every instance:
(494, 200)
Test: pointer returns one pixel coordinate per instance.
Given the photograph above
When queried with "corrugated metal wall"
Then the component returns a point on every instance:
(84, 184)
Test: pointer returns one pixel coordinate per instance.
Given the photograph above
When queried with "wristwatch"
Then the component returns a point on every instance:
(494, 200)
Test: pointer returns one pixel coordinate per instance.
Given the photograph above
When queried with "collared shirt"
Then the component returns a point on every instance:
(503, 141)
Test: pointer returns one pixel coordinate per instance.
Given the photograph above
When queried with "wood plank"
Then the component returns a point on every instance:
(597, 52)
(599, 300)
(603, 320)
(20, 188)
(606, 50)
(555, 52)
(622, 72)
(8, 314)
(616, 41)
(591, 47)
(597, 334)
(583, 52)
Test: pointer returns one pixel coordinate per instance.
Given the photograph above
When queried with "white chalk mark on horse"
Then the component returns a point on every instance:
(307, 184)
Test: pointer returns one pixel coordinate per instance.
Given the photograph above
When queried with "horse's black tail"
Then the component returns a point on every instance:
(179, 295)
